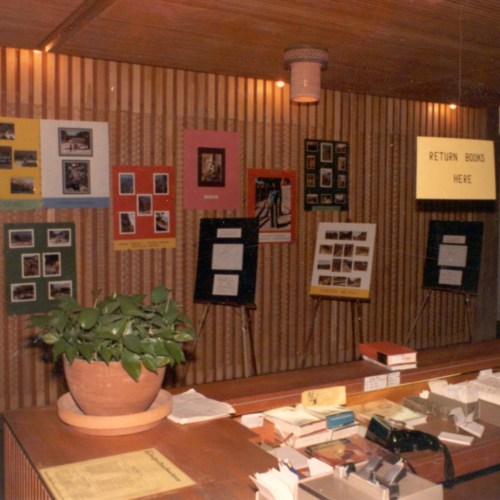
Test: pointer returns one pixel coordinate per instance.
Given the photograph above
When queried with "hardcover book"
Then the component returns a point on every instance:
(290, 420)
(392, 368)
(388, 353)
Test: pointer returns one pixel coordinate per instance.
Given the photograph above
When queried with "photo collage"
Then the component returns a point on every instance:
(326, 175)
(41, 264)
(343, 260)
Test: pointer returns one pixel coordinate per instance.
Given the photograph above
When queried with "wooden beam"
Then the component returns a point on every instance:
(77, 20)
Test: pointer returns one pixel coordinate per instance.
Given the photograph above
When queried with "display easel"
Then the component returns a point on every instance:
(425, 302)
(249, 359)
(355, 318)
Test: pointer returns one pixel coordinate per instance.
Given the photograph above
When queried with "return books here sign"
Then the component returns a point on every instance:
(455, 169)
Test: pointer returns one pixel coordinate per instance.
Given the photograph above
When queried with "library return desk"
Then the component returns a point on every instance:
(220, 455)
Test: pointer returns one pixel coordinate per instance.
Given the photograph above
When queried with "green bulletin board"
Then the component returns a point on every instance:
(40, 265)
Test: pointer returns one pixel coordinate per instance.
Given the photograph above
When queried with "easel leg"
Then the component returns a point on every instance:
(248, 340)
(467, 313)
(410, 333)
(356, 320)
(311, 332)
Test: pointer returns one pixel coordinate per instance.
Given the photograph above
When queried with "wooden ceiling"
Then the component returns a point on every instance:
(433, 50)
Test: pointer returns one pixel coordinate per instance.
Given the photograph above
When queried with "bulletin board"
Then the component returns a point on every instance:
(227, 261)
(453, 257)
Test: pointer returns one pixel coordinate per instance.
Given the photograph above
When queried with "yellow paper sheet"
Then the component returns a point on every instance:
(118, 477)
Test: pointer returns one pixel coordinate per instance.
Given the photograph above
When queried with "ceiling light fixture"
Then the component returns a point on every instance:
(305, 63)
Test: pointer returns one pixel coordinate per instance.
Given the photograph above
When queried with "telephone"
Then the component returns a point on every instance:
(399, 440)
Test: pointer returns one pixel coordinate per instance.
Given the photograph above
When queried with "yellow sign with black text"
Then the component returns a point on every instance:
(455, 169)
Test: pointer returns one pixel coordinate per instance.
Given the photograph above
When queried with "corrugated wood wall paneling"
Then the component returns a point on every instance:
(147, 110)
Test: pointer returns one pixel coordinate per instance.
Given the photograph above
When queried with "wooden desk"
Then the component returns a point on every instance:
(219, 455)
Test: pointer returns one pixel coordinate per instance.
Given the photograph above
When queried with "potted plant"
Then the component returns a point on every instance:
(116, 347)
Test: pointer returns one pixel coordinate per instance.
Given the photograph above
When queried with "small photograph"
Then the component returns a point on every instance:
(59, 237)
(339, 281)
(5, 157)
(346, 266)
(60, 288)
(338, 250)
(7, 131)
(341, 148)
(160, 182)
(336, 265)
(30, 265)
(22, 292)
(311, 162)
(325, 249)
(354, 282)
(340, 199)
(75, 141)
(326, 178)
(144, 204)
(311, 180)
(324, 264)
(326, 152)
(25, 158)
(21, 238)
(326, 199)
(211, 167)
(52, 264)
(348, 250)
(360, 265)
(342, 163)
(76, 177)
(22, 185)
(311, 146)
(127, 222)
(162, 222)
(359, 235)
(332, 235)
(325, 280)
(341, 181)
(345, 235)
(127, 183)
(312, 198)
(362, 251)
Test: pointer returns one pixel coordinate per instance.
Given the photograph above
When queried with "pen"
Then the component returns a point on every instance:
(289, 466)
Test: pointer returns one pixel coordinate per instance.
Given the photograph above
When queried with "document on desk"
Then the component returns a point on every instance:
(117, 477)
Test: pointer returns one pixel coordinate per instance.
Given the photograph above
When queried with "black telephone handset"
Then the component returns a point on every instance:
(400, 440)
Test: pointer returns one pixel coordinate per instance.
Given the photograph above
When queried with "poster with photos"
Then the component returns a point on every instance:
(326, 175)
(143, 207)
(75, 155)
(453, 258)
(41, 265)
(343, 260)
(227, 261)
(271, 199)
(20, 179)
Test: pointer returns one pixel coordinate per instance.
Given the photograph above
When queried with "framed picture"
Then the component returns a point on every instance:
(52, 264)
(21, 238)
(59, 289)
(162, 221)
(144, 204)
(127, 222)
(5, 157)
(160, 183)
(22, 185)
(22, 292)
(211, 167)
(76, 177)
(75, 141)
(7, 131)
(25, 158)
(59, 237)
(30, 265)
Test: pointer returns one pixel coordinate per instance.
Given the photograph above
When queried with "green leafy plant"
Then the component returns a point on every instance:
(118, 328)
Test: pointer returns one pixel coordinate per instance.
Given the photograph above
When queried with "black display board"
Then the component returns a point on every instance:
(227, 261)
(453, 257)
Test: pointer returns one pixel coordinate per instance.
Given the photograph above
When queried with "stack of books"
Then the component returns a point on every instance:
(300, 426)
(389, 355)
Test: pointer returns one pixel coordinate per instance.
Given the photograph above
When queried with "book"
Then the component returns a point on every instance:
(389, 410)
(392, 368)
(388, 353)
(296, 421)
(353, 449)
(323, 436)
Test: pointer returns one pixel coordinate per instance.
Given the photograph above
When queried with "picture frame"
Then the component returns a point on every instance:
(127, 222)
(21, 238)
(5, 157)
(30, 265)
(61, 288)
(75, 141)
(76, 177)
(22, 185)
(211, 167)
(162, 221)
(126, 183)
(161, 183)
(23, 292)
(7, 131)
(59, 237)
(144, 204)
(25, 158)
(52, 264)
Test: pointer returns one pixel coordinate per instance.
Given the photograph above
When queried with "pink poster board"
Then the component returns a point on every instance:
(211, 170)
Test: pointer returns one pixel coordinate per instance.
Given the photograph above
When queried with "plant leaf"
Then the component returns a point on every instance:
(88, 318)
(131, 364)
(159, 294)
(150, 363)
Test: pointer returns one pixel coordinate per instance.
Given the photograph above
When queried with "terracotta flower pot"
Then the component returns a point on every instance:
(101, 389)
